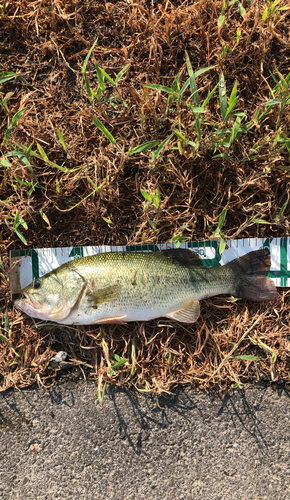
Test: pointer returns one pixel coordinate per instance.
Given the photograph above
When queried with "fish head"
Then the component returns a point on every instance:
(45, 298)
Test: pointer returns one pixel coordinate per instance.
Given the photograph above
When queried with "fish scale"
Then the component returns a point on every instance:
(149, 286)
(118, 287)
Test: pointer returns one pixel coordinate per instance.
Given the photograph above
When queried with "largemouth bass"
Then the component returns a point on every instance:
(120, 287)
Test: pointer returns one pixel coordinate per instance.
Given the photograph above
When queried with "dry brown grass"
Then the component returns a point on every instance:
(46, 42)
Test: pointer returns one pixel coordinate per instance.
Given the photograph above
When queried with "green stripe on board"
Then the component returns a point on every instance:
(35, 266)
(283, 258)
(199, 247)
(19, 253)
(142, 248)
(267, 242)
(77, 252)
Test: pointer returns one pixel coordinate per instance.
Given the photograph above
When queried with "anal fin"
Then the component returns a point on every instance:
(188, 314)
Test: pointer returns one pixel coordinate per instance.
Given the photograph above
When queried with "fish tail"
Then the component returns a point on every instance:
(251, 280)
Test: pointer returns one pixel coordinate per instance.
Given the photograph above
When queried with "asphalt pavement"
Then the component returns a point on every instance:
(63, 444)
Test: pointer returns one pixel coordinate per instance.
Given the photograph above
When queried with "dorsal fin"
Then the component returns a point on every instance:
(183, 255)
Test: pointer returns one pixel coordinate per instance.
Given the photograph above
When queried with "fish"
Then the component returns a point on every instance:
(119, 287)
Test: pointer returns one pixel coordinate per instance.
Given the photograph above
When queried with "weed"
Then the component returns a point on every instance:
(152, 198)
(18, 221)
(5, 76)
(14, 121)
(218, 231)
(105, 131)
(178, 238)
(3, 337)
(61, 138)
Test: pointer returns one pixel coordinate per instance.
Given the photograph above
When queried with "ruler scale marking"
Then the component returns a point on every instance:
(28, 265)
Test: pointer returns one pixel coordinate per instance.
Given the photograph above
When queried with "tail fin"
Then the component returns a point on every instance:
(251, 276)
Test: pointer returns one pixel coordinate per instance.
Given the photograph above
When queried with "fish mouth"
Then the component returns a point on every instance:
(33, 300)
(35, 306)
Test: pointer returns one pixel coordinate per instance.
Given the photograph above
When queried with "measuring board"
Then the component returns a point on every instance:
(27, 265)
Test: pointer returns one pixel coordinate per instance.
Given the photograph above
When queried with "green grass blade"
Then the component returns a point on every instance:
(232, 100)
(19, 353)
(152, 224)
(40, 157)
(222, 155)
(209, 96)
(5, 163)
(89, 55)
(6, 323)
(286, 143)
(185, 86)
(221, 221)
(88, 89)
(9, 75)
(23, 223)
(248, 357)
(44, 216)
(265, 14)
(180, 135)
(60, 136)
(221, 21)
(146, 195)
(160, 87)
(105, 131)
(83, 68)
(5, 100)
(133, 357)
(272, 102)
(102, 72)
(143, 147)
(280, 214)
(156, 199)
(121, 74)
(223, 96)
(5, 76)
(196, 109)
(255, 220)
(162, 146)
(20, 236)
(192, 82)
(14, 122)
(236, 129)
(121, 362)
(100, 78)
(242, 10)
(202, 70)
(176, 83)
(222, 245)
(42, 153)
(197, 73)
(197, 126)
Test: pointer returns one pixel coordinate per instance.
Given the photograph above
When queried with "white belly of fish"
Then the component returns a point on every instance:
(106, 314)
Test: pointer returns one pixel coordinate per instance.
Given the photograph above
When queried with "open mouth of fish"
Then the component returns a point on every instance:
(28, 301)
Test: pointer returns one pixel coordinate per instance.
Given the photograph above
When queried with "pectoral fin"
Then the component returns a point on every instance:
(106, 294)
(187, 315)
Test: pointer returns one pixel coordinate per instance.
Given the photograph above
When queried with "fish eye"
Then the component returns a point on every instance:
(36, 284)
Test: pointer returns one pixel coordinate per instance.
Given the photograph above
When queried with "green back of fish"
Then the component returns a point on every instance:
(150, 278)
